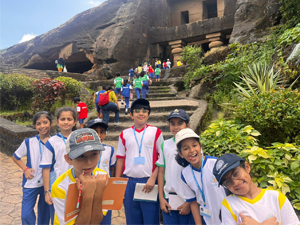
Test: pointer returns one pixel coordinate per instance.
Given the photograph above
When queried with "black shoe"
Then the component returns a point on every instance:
(146, 95)
(126, 111)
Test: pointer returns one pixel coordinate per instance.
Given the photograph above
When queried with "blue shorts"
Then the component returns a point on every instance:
(151, 75)
(157, 76)
(117, 90)
(131, 75)
(97, 107)
(81, 121)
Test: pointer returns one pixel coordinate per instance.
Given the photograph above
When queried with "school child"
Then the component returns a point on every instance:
(248, 203)
(32, 183)
(136, 156)
(178, 62)
(126, 90)
(137, 84)
(203, 189)
(157, 73)
(168, 64)
(169, 172)
(131, 73)
(118, 82)
(83, 153)
(96, 101)
(165, 65)
(158, 64)
(107, 161)
(81, 110)
(140, 68)
(53, 163)
(151, 72)
(145, 67)
(145, 85)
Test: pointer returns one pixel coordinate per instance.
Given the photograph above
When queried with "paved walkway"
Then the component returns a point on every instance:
(11, 194)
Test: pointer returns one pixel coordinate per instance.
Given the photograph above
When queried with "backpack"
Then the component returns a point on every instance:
(103, 98)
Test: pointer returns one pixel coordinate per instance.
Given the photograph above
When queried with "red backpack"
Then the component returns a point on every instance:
(103, 98)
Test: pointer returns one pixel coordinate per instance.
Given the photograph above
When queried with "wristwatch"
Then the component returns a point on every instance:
(45, 192)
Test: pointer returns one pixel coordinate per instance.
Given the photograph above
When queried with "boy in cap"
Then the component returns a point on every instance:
(81, 110)
(83, 152)
(136, 156)
(249, 204)
(169, 172)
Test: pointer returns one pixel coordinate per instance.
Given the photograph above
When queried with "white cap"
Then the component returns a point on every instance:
(184, 134)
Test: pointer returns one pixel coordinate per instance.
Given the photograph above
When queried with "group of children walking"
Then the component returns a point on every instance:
(193, 187)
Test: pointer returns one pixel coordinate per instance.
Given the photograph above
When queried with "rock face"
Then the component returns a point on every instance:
(252, 17)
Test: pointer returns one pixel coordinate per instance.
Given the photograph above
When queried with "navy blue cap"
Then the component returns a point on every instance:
(179, 113)
(224, 164)
(76, 99)
(97, 121)
(140, 103)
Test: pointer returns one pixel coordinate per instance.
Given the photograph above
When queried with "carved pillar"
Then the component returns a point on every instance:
(177, 49)
(216, 40)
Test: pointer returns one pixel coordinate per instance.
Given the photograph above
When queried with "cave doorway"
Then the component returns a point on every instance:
(185, 17)
(78, 63)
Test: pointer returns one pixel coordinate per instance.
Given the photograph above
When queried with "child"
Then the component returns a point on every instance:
(83, 152)
(145, 67)
(118, 82)
(145, 85)
(126, 89)
(159, 63)
(53, 163)
(81, 110)
(140, 68)
(169, 181)
(96, 101)
(107, 159)
(202, 185)
(151, 73)
(137, 84)
(165, 64)
(248, 203)
(157, 73)
(131, 73)
(178, 62)
(32, 183)
(136, 156)
(168, 64)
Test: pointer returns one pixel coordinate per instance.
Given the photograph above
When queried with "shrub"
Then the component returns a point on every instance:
(275, 114)
(15, 91)
(72, 86)
(47, 91)
(227, 137)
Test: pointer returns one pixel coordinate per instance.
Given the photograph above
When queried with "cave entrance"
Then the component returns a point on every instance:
(210, 9)
(185, 17)
(78, 63)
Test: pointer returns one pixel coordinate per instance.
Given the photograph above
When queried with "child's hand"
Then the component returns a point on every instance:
(88, 183)
(48, 198)
(271, 221)
(101, 182)
(185, 208)
(149, 185)
(248, 220)
(29, 173)
(164, 205)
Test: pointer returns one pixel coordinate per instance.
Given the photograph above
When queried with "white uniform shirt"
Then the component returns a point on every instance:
(173, 181)
(107, 158)
(214, 195)
(54, 155)
(169, 64)
(30, 147)
(128, 149)
(264, 206)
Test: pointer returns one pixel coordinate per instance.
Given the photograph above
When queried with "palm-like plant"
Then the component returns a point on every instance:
(259, 79)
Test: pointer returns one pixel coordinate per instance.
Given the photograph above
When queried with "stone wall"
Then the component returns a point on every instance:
(12, 135)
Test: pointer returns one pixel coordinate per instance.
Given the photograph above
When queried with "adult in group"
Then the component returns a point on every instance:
(61, 63)
(112, 105)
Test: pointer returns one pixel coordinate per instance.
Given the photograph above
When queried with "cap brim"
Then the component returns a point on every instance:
(176, 116)
(235, 165)
(75, 153)
(100, 123)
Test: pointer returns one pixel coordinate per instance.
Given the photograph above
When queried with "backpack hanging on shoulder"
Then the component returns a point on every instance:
(103, 98)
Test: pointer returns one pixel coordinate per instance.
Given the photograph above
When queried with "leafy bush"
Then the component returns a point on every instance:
(227, 137)
(72, 86)
(15, 91)
(290, 11)
(290, 36)
(275, 114)
(47, 91)
(276, 168)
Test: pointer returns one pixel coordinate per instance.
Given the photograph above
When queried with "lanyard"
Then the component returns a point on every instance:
(40, 148)
(62, 137)
(100, 159)
(201, 190)
(139, 145)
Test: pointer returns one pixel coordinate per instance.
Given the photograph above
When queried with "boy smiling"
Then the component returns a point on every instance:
(249, 204)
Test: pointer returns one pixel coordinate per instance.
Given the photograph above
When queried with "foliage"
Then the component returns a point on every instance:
(258, 79)
(276, 168)
(290, 36)
(276, 114)
(72, 86)
(15, 90)
(47, 91)
(290, 12)
(227, 137)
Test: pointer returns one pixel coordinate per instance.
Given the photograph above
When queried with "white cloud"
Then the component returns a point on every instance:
(95, 3)
(27, 37)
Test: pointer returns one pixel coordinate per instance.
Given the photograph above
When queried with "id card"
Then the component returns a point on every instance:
(205, 212)
(52, 178)
(139, 160)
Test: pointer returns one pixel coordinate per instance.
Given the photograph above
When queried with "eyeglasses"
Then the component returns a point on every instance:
(234, 176)
(141, 110)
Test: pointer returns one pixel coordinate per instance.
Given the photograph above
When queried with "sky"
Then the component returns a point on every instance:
(21, 20)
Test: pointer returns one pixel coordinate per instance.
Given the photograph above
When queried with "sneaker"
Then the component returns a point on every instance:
(122, 102)
(126, 111)
(146, 95)
(116, 124)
